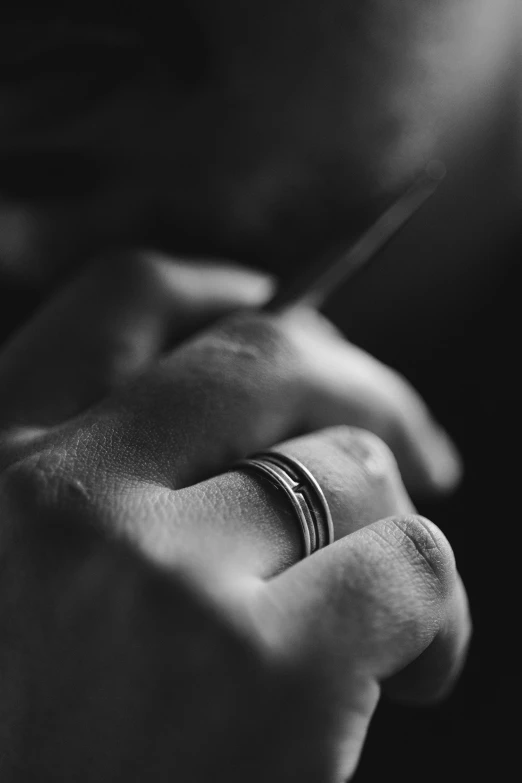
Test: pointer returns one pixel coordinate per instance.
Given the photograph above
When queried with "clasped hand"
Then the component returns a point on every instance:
(124, 407)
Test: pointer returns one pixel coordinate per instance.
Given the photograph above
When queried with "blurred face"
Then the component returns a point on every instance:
(262, 130)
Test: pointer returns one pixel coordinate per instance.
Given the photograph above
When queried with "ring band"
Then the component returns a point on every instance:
(304, 493)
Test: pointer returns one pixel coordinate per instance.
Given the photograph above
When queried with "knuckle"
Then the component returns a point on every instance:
(369, 451)
(244, 367)
(251, 339)
(427, 549)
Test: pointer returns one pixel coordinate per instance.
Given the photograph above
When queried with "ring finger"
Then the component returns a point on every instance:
(247, 520)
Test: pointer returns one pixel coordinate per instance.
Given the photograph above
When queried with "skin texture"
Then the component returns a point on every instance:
(119, 488)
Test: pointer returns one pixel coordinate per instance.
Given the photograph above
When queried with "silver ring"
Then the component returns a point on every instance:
(304, 493)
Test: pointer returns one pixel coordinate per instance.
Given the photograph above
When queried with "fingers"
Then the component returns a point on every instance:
(254, 380)
(384, 402)
(367, 607)
(246, 520)
(242, 386)
(108, 325)
(409, 596)
(430, 677)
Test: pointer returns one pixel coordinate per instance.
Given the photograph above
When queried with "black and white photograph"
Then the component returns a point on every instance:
(259, 391)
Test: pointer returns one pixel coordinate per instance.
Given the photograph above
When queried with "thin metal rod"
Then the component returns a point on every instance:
(325, 276)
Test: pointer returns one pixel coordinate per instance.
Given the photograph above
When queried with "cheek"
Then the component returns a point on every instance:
(367, 88)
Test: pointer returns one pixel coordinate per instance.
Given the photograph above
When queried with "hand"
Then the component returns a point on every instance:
(137, 437)
(103, 361)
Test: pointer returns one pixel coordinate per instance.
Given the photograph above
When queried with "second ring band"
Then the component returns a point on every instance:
(302, 490)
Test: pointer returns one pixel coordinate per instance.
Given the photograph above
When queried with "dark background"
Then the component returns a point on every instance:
(469, 374)
(443, 307)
